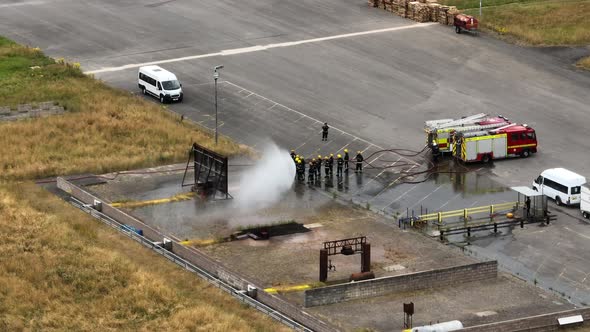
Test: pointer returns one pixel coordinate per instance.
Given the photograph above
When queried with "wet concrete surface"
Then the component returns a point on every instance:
(292, 259)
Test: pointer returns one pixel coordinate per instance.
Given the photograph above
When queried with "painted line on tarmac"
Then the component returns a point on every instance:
(306, 116)
(259, 48)
(425, 197)
(136, 204)
(399, 197)
(26, 3)
(286, 289)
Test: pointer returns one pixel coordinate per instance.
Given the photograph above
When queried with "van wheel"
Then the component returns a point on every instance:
(486, 159)
(162, 99)
(525, 154)
(457, 29)
(143, 90)
(585, 215)
(558, 201)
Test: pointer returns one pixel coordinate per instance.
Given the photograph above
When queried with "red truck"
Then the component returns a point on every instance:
(465, 23)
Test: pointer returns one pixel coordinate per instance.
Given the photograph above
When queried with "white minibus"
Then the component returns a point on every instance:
(560, 184)
(159, 83)
(585, 202)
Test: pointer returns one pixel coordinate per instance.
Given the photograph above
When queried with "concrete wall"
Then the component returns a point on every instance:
(540, 323)
(201, 260)
(401, 283)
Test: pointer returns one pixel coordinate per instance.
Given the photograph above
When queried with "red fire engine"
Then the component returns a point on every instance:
(508, 141)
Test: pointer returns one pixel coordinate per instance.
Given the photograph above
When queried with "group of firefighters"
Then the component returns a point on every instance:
(315, 165)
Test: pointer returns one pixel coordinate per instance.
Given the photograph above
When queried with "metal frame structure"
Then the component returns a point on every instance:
(210, 172)
(356, 244)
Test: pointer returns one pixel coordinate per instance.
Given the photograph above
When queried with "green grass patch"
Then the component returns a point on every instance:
(534, 22)
(60, 269)
(104, 130)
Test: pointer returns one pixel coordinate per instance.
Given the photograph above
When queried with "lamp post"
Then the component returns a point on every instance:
(215, 77)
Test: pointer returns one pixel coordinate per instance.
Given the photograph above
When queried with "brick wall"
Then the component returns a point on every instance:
(201, 260)
(401, 283)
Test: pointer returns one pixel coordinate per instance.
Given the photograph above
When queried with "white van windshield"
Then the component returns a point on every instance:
(171, 85)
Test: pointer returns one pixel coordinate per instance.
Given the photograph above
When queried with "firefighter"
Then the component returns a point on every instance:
(340, 162)
(359, 162)
(331, 160)
(311, 171)
(325, 131)
(346, 158)
(300, 170)
(293, 155)
(327, 166)
(319, 167)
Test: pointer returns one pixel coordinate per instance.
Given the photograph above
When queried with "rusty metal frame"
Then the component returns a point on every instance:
(210, 169)
(355, 242)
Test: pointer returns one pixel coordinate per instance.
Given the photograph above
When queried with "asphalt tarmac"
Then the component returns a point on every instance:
(374, 77)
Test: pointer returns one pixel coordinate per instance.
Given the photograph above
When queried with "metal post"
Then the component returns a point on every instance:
(479, 8)
(215, 77)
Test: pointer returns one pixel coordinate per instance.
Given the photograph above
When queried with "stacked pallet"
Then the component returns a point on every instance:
(418, 10)
(451, 13)
(410, 12)
(387, 5)
(442, 14)
(434, 11)
(403, 8)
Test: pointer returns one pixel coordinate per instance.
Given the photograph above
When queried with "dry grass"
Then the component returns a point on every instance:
(104, 129)
(584, 63)
(61, 270)
(534, 22)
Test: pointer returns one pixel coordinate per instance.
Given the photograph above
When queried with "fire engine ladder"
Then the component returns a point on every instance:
(467, 120)
(480, 127)
(504, 127)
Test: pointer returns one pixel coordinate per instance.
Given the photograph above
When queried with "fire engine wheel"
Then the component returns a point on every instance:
(525, 153)
(486, 159)
(558, 201)
(457, 29)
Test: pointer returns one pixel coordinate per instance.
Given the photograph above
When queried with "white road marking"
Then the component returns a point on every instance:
(399, 197)
(577, 233)
(26, 3)
(442, 206)
(425, 197)
(257, 48)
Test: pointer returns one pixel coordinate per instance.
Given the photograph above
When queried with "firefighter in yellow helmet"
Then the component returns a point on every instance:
(311, 171)
(359, 162)
(319, 166)
(339, 165)
(331, 161)
(346, 158)
(327, 166)
(293, 154)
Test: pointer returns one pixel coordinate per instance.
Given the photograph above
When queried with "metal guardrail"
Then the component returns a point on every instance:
(466, 213)
(239, 294)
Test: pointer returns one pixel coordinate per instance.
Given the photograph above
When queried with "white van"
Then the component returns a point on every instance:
(585, 202)
(159, 83)
(560, 184)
